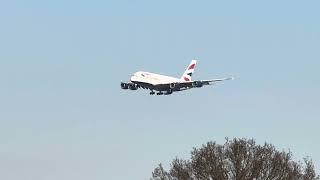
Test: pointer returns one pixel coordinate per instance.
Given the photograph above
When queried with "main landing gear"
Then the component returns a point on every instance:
(161, 93)
(158, 93)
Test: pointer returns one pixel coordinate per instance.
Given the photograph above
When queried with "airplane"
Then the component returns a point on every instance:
(166, 85)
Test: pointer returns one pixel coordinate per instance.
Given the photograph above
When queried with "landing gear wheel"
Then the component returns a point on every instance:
(152, 93)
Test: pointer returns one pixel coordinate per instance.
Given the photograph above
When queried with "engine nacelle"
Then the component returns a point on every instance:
(197, 84)
(132, 86)
(173, 86)
(124, 86)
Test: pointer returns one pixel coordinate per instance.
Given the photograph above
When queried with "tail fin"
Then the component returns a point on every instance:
(188, 73)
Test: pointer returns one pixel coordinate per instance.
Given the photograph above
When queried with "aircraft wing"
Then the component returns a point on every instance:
(209, 82)
(200, 83)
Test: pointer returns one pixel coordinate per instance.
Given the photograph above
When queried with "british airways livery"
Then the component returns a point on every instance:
(166, 85)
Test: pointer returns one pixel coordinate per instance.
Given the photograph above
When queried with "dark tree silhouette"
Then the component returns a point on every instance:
(237, 159)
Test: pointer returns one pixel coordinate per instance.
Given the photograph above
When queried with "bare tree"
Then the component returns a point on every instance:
(160, 174)
(237, 159)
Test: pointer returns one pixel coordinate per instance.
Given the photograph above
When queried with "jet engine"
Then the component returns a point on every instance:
(197, 84)
(124, 86)
(172, 86)
(132, 86)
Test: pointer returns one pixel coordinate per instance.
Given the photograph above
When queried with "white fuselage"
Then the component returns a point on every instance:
(153, 79)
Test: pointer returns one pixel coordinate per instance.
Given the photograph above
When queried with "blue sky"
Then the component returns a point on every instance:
(64, 116)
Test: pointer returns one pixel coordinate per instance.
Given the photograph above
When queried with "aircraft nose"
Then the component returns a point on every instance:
(133, 78)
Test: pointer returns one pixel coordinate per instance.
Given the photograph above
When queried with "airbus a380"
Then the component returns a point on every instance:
(166, 85)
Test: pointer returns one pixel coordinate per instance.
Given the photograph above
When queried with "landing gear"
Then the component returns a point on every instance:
(160, 93)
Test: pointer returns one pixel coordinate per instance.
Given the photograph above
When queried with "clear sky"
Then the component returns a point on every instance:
(62, 112)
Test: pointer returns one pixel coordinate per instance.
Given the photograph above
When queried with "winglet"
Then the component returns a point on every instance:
(229, 78)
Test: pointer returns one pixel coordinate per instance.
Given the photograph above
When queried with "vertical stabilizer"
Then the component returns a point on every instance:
(187, 75)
